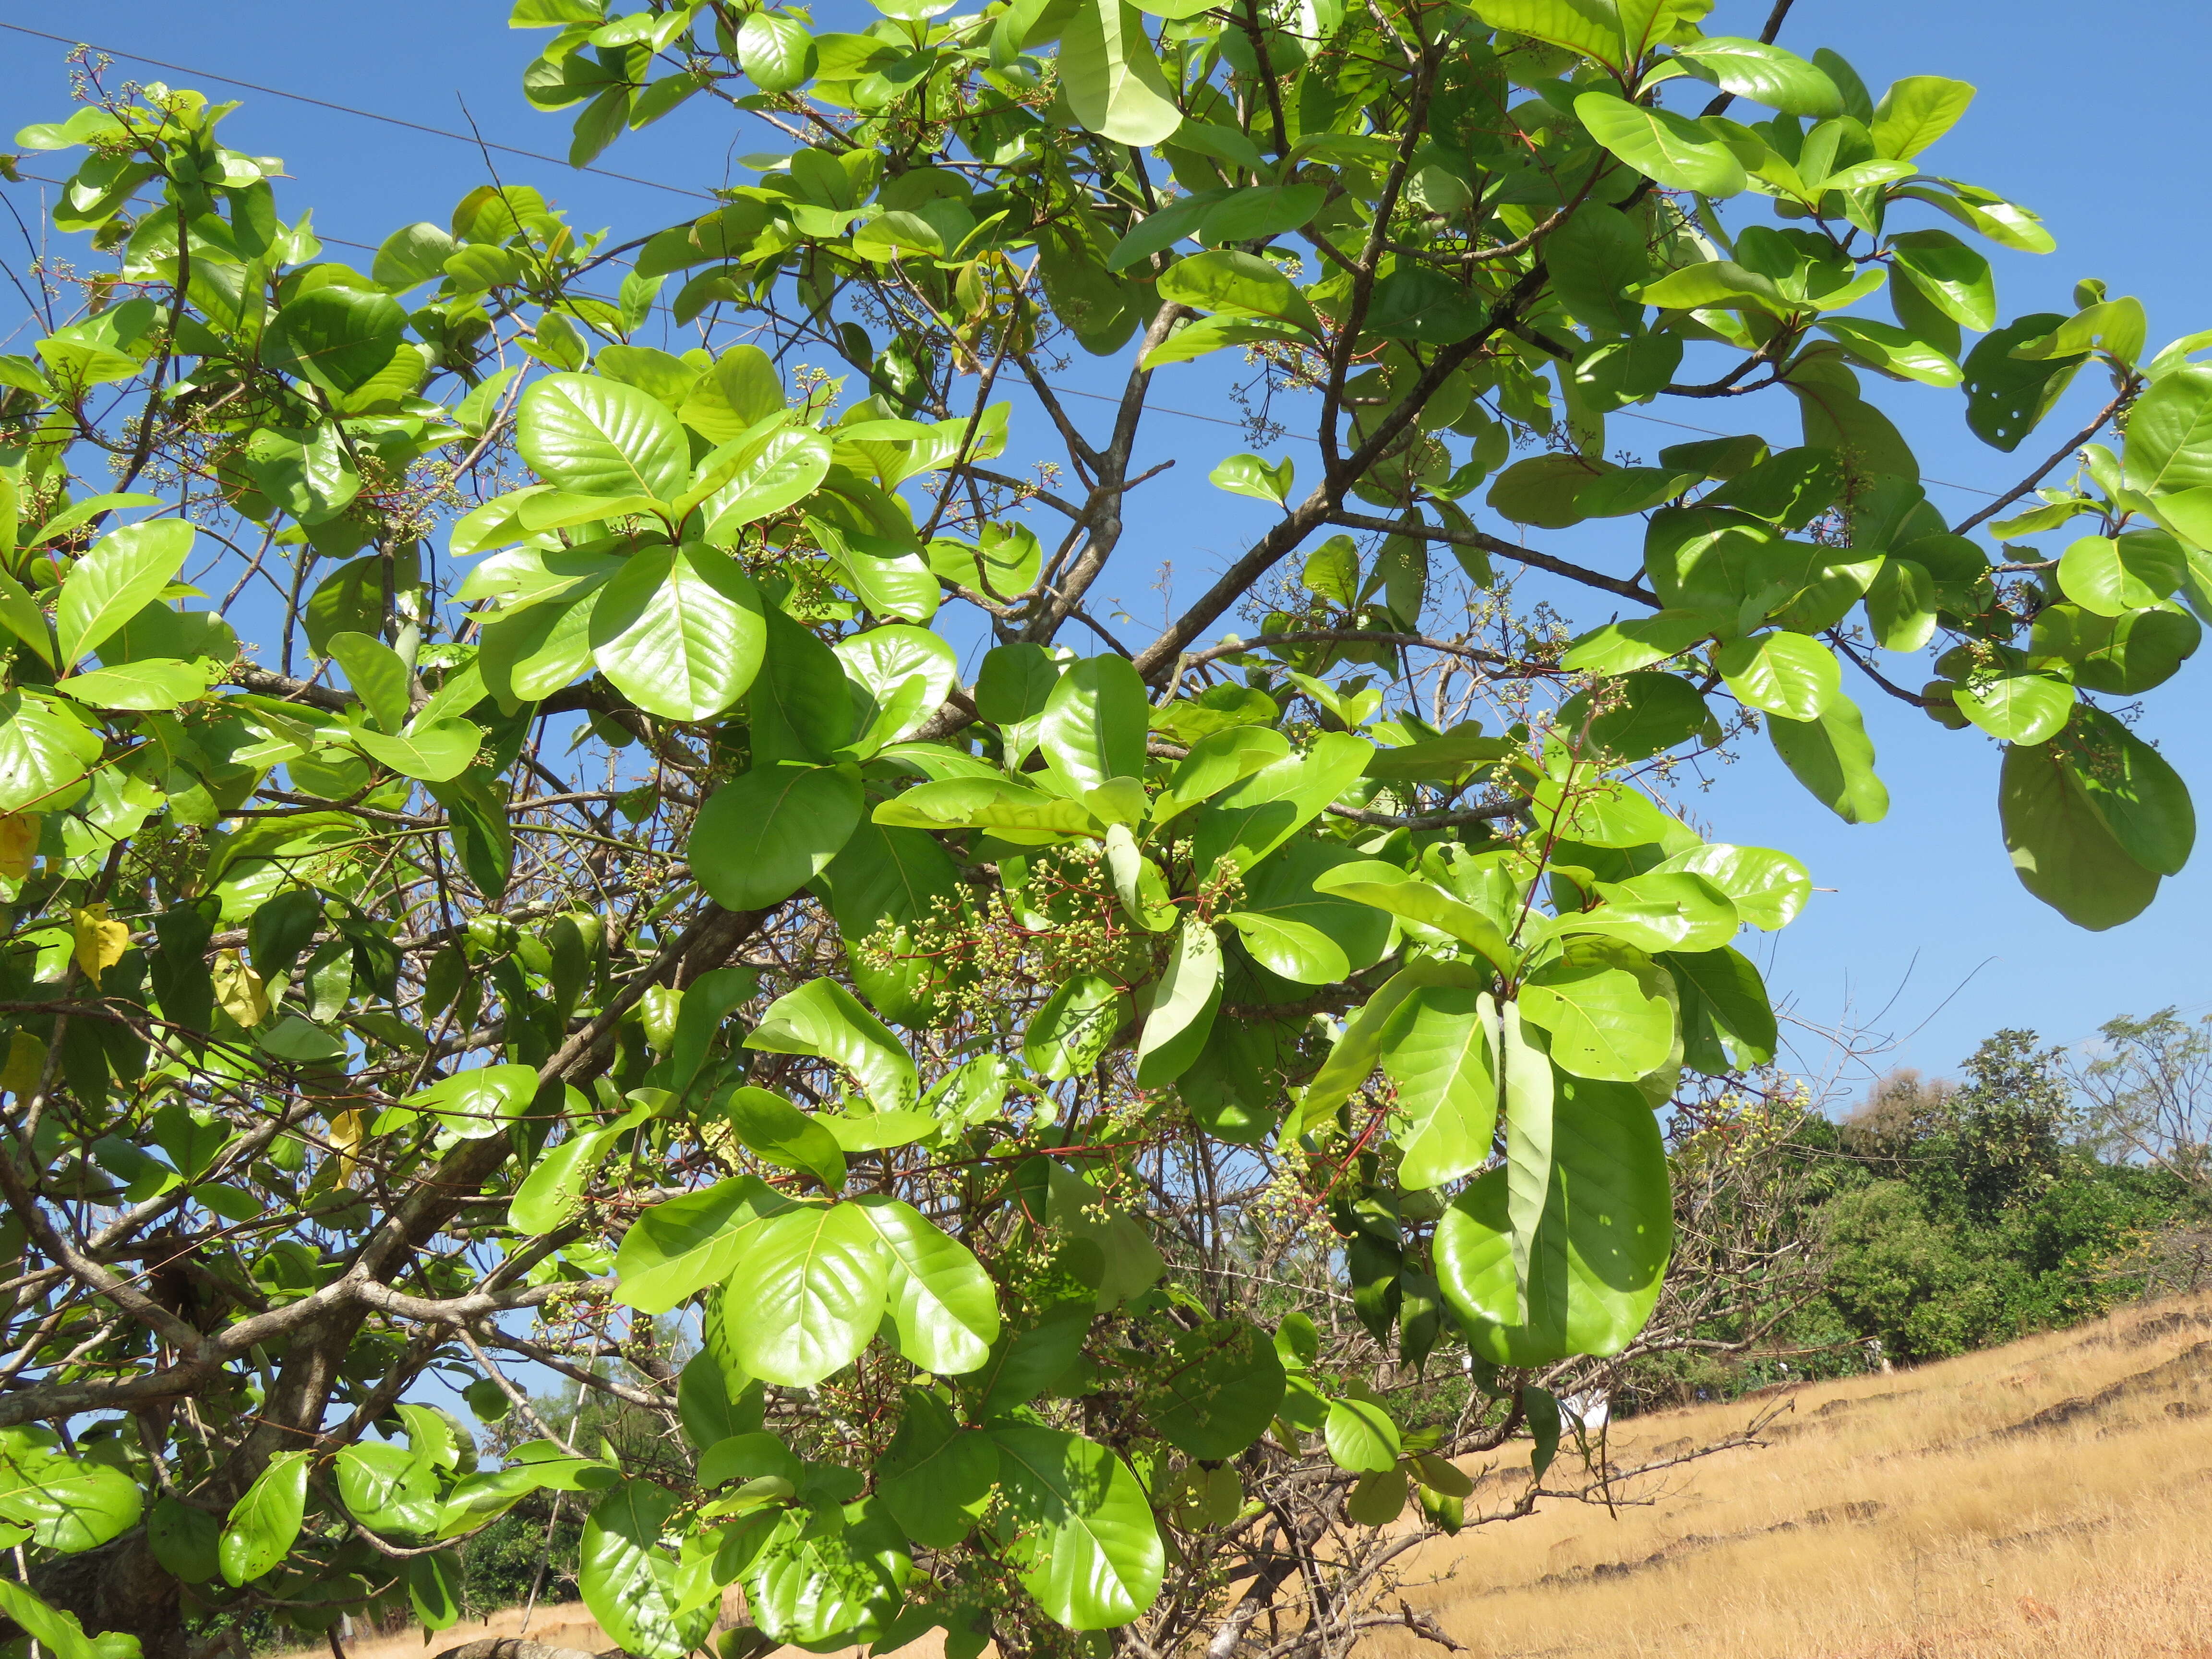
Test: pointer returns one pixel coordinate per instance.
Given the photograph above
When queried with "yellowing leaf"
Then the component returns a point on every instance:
(26, 1065)
(238, 990)
(99, 943)
(346, 1132)
(19, 844)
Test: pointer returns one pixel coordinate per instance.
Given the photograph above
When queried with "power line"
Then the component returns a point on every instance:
(469, 139)
(465, 138)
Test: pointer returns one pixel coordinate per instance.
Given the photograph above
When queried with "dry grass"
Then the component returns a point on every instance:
(567, 1626)
(2049, 1498)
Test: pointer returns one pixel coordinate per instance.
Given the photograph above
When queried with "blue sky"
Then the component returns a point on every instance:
(1925, 938)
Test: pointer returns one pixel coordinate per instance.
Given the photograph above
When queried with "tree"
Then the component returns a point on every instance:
(1069, 1105)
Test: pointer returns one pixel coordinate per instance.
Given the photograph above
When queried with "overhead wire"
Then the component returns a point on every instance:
(477, 143)
(473, 141)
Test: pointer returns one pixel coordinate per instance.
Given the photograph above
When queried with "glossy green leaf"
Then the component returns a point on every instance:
(1112, 78)
(1390, 889)
(1189, 990)
(2140, 797)
(684, 1244)
(1764, 74)
(812, 1282)
(1237, 284)
(1767, 888)
(1784, 674)
(339, 338)
(2063, 849)
(1252, 817)
(391, 1490)
(600, 437)
(1834, 758)
(821, 1017)
(124, 572)
(773, 1128)
(1071, 1031)
(2018, 708)
(1361, 1436)
(679, 630)
(1915, 111)
(1600, 1246)
(1439, 1051)
(1955, 279)
(1094, 723)
(2111, 576)
(1295, 950)
(1673, 149)
(1087, 1547)
(942, 1302)
(937, 1477)
(629, 1582)
(1728, 1024)
(1608, 1012)
(70, 1504)
(264, 1523)
(765, 834)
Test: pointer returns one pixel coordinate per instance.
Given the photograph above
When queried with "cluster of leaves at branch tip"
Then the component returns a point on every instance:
(580, 875)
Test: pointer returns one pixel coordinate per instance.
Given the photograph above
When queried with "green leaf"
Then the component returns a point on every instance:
(1388, 888)
(776, 472)
(379, 678)
(942, 1302)
(554, 1189)
(823, 1018)
(1296, 949)
(391, 1490)
(70, 1504)
(1764, 74)
(2140, 797)
(1608, 1011)
(1438, 1049)
(437, 753)
(629, 1582)
(1892, 350)
(182, 1539)
(155, 685)
(684, 1244)
(1014, 682)
(825, 1587)
(812, 1283)
(1361, 1436)
(1257, 814)
(1237, 284)
(2018, 708)
(1618, 647)
(763, 836)
(1600, 1249)
(1592, 30)
(1360, 1049)
(1834, 758)
(263, 1524)
(1661, 145)
(1068, 1034)
(776, 53)
(340, 338)
(1915, 111)
(125, 571)
(1112, 80)
(1767, 888)
(2008, 396)
(475, 1104)
(1728, 1024)
(937, 1477)
(1955, 279)
(2169, 447)
(600, 437)
(1659, 910)
(679, 630)
(778, 1131)
(60, 1633)
(1545, 490)
(1132, 1262)
(2063, 849)
(1901, 605)
(1785, 674)
(1087, 1550)
(411, 256)
(1219, 1391)
(1182, 1006)
(1094, 723)
(882, 884)
(1250, 475)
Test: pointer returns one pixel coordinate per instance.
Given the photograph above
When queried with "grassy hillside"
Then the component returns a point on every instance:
(2048, 1500)
(2051, 1497)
